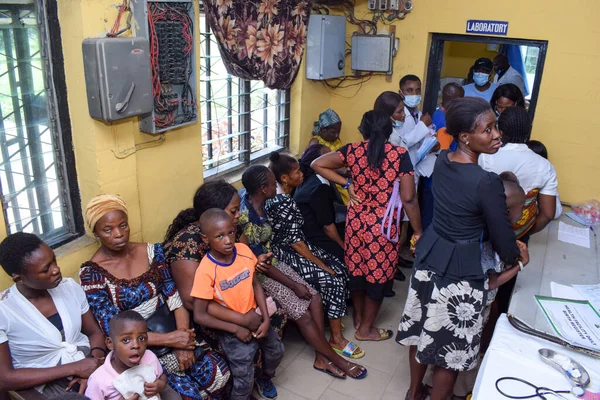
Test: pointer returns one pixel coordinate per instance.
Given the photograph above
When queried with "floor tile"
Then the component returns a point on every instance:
(331, 394)
(302, 379)
(371, 387)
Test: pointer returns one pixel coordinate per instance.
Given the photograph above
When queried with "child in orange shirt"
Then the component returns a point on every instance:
(226, 275)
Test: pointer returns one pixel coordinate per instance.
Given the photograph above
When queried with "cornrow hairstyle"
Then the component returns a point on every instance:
(15, 249)
(212, 194)
(387, 102)
(127, 315)
(255, 177)
(311, 153)
(376, 127)
(463, 115)
(515, 124)
(281, 164)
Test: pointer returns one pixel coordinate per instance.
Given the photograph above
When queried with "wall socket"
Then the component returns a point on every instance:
(383, 5)
(373, 5)
(394, 5)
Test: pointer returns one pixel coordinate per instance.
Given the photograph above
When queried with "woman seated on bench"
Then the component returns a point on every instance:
(46, 326)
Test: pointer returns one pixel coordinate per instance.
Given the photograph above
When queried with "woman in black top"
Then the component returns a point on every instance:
(442, 319)
(316, 198)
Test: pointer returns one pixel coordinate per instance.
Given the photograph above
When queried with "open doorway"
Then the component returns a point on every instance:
(451, 57)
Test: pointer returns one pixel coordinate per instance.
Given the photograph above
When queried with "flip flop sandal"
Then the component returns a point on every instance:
(362, 375)
(330, 373)
(384, 334)
(351, 351)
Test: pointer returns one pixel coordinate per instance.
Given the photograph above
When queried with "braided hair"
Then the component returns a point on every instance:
(16, 249)
(376, 127)
(311, 153)
(515, 124)
(255, 177)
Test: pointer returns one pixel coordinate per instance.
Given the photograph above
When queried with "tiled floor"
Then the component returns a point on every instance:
(386, 362)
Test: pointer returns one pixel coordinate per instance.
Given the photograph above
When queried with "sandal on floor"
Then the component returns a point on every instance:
(384, 334)
(362, 375)
(351, 351)
(330, 373)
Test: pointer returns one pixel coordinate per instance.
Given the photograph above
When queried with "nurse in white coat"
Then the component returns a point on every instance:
(46, 326)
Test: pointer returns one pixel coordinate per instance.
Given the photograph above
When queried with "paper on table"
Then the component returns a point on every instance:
(565, 292)
(574, 235)
(591, 293)
(575, 321)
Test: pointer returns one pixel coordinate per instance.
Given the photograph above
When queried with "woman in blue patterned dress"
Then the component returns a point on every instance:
(123, 275)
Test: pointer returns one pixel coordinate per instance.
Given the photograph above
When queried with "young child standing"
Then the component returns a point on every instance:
(226, 275)
(127, 341)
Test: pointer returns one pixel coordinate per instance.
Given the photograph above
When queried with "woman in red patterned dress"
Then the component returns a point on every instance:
(375, 165)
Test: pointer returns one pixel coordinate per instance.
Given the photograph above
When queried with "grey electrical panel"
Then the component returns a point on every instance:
(117, 77)
(373, 53)
(326, 47)
(169, 27)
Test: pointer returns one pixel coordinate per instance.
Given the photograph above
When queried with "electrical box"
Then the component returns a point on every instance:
(169, 27)
(326, 47)
(373, 53)
(117, 77)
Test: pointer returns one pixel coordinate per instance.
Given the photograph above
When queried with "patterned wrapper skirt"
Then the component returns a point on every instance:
(444, 319)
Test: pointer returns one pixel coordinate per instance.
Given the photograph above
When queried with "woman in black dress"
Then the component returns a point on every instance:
(442, 319)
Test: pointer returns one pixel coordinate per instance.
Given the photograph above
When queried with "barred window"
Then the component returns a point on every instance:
(241, 120)
(36, 155)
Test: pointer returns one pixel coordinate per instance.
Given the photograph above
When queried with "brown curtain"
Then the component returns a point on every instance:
(260, 40)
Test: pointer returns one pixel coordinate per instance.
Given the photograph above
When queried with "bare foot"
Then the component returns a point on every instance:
(352, 370)
(323, 363)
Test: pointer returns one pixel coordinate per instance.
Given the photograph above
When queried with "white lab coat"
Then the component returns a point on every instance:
(511, 76)
(411, 136)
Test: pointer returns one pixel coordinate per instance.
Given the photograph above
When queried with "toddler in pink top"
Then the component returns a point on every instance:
(128, 341)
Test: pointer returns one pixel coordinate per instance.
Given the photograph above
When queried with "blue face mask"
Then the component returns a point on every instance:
(480, 78)
(397, 124)
(411, 101)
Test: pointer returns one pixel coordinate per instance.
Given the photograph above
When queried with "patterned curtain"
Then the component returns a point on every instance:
(260, 39)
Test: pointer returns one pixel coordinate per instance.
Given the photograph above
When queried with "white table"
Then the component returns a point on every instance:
(512, 353)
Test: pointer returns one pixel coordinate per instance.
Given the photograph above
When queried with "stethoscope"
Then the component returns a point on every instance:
(540, 391)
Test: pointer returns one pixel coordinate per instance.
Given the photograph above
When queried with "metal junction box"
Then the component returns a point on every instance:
(325, 47)
(117, 77)
(373, 53)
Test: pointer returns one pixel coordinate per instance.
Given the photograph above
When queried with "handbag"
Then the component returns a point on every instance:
(162, 321)
(394, 204)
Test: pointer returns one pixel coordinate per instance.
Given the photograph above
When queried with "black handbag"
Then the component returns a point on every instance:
(162, 321)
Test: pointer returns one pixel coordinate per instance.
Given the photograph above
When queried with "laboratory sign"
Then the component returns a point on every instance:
(487, 27)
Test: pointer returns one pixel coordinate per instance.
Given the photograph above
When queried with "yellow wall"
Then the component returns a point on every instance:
(573, 143)
(155, 182)
(460, 56)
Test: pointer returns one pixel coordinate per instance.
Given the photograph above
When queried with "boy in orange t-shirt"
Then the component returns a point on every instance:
(226, 275)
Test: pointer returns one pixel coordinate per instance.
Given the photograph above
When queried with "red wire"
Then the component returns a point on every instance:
(117, 23)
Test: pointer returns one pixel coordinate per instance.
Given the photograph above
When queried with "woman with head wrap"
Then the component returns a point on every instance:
(326, 132)
(124, 275)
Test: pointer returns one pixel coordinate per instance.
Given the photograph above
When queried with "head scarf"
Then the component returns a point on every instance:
(101, 205)
(326, 118)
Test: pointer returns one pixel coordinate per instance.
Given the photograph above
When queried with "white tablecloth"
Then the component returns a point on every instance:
(512, 353)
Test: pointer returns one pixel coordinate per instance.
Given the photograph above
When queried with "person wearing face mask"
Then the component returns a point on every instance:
(507, 74)
(481, 86)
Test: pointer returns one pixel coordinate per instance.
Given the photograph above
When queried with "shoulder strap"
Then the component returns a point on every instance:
(395, 204)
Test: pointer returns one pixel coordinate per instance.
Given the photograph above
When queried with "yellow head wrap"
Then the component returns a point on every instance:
(101, 205)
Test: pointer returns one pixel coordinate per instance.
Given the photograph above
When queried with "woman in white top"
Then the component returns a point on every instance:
(46, 326)
(536, 175)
